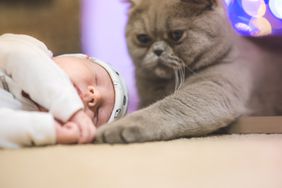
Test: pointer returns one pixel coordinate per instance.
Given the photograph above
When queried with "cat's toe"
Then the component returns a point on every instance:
(119, 134)
(109, 135)
(131, 134)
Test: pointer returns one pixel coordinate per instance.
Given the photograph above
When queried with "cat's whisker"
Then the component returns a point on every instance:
(182, 76)
(179, 77)
(179, 72)
(177, 82)
(172, 63)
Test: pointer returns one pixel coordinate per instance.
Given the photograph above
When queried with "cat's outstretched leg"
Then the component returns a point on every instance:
(198, 109)
(154, 123)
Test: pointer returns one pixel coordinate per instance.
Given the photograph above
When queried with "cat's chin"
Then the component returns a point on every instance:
(163, 73)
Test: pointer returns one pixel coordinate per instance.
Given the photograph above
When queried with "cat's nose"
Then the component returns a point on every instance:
(158, 52)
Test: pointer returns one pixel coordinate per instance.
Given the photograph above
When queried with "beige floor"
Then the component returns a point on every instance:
(249, 161)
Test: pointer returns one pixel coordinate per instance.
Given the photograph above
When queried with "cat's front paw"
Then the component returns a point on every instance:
(126, 130)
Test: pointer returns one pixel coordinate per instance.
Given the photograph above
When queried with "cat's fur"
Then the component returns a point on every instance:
(226, 76)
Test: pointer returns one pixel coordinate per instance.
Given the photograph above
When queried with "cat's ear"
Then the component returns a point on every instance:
(133, 3)
(203, 3)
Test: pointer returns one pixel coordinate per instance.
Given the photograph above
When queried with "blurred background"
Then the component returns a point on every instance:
(97, 27)
(255, 17)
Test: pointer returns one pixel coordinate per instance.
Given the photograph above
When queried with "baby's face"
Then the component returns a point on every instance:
(93, 85)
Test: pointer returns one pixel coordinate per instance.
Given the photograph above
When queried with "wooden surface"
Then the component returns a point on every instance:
(257, 125)
(229, 161)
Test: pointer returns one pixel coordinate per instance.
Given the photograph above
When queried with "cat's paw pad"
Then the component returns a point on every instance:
(119, 134)
(131, 134)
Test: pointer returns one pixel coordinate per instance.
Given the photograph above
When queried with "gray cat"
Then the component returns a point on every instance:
(194, 75)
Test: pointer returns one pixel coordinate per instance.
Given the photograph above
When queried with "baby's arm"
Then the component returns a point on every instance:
(29, 63)
(70, 133)
(79, 129)
(19, 128)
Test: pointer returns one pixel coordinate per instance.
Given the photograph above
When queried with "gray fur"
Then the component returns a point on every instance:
(198, 85)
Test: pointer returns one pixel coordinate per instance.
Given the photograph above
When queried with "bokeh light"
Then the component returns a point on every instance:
(254, 8)
(255, 17)
(243, 27)
(227, 2)
(276, 7)
(261, 26)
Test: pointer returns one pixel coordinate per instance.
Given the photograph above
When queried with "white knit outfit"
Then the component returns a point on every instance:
(26, 65)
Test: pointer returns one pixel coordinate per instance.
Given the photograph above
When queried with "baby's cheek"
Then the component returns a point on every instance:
(104, 116)
(91, 115)
(89, 112)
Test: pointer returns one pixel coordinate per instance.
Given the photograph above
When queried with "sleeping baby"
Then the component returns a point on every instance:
(47, 100)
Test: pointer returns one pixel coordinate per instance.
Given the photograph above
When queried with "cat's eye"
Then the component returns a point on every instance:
(176, 36)
(144, 39)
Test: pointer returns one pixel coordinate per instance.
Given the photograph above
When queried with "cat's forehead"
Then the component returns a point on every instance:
(156, 15)
(164, 9)
(157, 7)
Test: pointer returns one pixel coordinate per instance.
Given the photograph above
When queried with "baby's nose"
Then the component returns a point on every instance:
(92, 97)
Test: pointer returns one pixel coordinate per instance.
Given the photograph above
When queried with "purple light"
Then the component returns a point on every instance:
(261, 26)
(254, 8)
(103, 36)
(256, 17)
(227, 2)
(243, 27)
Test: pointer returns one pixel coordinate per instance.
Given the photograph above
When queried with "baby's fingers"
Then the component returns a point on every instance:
(87, 133)
(68, 133)
(86, 127)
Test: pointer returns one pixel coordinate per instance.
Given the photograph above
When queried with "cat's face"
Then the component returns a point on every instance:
(166, 35)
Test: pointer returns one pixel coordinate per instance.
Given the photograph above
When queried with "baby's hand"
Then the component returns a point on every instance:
(86, 127)
(67, 134)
